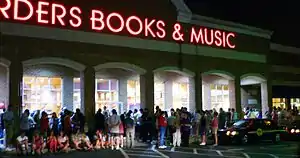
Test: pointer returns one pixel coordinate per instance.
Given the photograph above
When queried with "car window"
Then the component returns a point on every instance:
(241, 123)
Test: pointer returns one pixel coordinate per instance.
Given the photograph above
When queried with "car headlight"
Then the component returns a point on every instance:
(297, 130)
(228, 133)
(233, 133)
(292, 131)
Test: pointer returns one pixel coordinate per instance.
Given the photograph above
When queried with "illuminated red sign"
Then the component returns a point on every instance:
(57, 14)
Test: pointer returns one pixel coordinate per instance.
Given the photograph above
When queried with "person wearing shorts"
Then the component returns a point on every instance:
(203, 128)
(214, 126)
(114, 122)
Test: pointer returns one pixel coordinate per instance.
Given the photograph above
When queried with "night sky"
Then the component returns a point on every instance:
(282, 17)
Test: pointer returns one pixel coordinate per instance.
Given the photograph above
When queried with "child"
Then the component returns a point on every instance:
(99, 140)
(37, 144)
(22, 144)
(130, 130)
(52, 142)
(214, 126)
(63, 142)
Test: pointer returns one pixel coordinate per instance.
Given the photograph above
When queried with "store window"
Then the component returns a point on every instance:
(42, 93)
(159, 98)
(295, 102)
(279, 102)
(76, 94)
(219, 96)
(107, 91)
(180, 95)
(133, 94)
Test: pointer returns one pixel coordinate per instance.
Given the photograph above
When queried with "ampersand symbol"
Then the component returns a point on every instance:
(177, 35)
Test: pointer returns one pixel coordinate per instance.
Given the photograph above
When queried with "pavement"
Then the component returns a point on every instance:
(263, 150)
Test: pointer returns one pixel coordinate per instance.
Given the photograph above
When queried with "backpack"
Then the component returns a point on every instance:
(129, 123)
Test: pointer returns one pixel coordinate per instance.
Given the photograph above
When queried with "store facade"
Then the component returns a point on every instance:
(84, 58)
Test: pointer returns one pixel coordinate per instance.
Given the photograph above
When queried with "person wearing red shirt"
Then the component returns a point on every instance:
(162, 125)
(44, 124)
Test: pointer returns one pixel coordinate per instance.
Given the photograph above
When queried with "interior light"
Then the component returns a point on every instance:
(297, 131)
(292, 130)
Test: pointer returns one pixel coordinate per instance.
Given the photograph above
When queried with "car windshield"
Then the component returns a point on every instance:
(241, 123)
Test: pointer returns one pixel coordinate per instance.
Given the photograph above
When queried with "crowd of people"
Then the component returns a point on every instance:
(38, 131)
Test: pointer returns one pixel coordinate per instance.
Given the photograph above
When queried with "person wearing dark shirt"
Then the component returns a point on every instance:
(222, 119)
(99, 120)
(204, 124)
(146, 126)
(185, 129)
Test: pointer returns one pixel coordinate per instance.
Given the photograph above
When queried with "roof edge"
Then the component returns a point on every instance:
(284, 48)
(185, 15)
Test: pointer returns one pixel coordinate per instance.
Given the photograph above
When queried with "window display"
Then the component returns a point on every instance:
(219, 96)
(279, 102)
(76, 94)
(295, 102)
(133, 94)
(107, 93)
(42, 93)
(159, 95)
(180, 95)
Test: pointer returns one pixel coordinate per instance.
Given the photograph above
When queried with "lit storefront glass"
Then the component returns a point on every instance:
(279, 102)
(295, 102)
(180, 95)
(219, 96)
(42, 93)
(107, 92)
(133, 94)
(159, 99)
(76, 94)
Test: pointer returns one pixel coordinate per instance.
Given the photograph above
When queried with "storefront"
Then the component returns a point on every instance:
(89, 58)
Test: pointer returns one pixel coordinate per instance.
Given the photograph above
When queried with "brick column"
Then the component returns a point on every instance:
(237, 90)
(68, 88)
(147, 91)
(231, 88)
(88, 95)
(15, 89)
(195, 92)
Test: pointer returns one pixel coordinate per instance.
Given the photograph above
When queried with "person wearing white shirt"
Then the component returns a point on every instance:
(22, 144)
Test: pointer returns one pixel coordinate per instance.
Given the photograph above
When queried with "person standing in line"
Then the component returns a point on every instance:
(177, 134)
(162, 125)
(214, 125)
(185, 123)
(8, 119)
(203, 128)
(114, 122)
(24, 122)
(130, 130)
(171, 125)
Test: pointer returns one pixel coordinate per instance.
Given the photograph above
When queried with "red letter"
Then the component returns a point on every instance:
(228, 40)
(109, 25)
(148, 27)
(132, 32)
(41, 12)
(218, 41)
(94, 19)
(59, 17)
(16, 10)
(196, 37)
(4, 9)
(211, 37)
(161, 27)
(77, 17)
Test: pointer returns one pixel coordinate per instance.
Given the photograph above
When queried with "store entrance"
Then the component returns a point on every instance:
(171, 90)
(218, 92)
(117, 89)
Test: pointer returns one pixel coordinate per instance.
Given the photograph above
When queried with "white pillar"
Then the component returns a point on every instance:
(232, 101)
(123, 93)
(192, 94)
(168, 95)
(264, 98)
(206, 95)
(67, 95)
